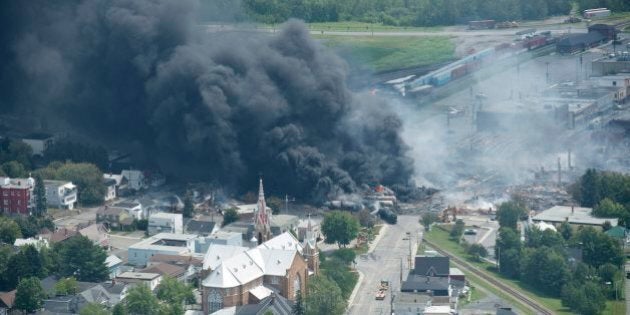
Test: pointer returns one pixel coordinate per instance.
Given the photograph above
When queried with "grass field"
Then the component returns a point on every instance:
(350, 26)
(383, 53)
(441, 237)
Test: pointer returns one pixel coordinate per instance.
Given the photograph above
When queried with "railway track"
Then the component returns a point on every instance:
(525, 300)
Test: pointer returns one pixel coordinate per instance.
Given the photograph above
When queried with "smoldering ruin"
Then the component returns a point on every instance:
(224, 106)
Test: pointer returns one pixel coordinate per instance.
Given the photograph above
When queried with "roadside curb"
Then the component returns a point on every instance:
(378, 238)
(355, 290)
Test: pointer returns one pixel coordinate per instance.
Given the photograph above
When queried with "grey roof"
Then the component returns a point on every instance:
(423, 283)
(275, 303)
(200, 227)
(431, 266)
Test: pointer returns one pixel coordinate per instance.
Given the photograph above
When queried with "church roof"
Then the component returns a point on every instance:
(235, 268)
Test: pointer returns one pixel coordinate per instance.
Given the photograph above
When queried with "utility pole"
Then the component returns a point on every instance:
(547, 74)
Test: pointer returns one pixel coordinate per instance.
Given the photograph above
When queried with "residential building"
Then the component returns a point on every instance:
(410, 303)
(97, 233)
(15, 195)
(113, 217)
(60, 194)
(163, 222)
(113, 264)
(7, 300)
(38, 142)
(433, 266)
(192, 265)
(61, 235)
(152, 280)
(163, 243)
(167, 270)
(201, 227)
(135, 179)
(577, 216)
(235, 276)
(110, 189)
(434, 286)
(133, 208)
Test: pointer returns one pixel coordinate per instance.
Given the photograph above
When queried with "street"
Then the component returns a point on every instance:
(384, 263)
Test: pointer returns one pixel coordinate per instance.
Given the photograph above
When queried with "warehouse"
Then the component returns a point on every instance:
(608, 31)
(579, 42)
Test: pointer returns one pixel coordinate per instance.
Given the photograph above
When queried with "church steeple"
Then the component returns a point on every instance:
(262, 220)
(310, 251)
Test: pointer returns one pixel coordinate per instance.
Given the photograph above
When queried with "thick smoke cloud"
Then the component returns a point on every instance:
(222, 106)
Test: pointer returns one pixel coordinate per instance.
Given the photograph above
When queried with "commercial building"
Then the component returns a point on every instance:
(163, 243)
(219, 237)
(15, 195)
(152, 280)
(163, 222)
(60, 194)
(610, 66)
(573, 215)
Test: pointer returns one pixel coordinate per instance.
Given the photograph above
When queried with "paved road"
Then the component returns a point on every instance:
(384, 263)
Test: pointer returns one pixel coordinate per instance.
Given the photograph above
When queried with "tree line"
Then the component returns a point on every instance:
(410, 12)
(608, 193)
(547, 262)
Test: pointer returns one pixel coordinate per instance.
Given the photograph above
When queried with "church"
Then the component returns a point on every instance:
(235, 275)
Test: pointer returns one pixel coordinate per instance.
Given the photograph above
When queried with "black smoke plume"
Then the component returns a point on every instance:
(201, 105)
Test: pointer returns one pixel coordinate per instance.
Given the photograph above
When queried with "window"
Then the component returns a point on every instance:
(6, 202)
(215, 301)
(274, 280)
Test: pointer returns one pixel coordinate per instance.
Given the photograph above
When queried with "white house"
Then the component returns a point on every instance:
(163, 222)
(60, 194)
(134, 209)
(38, 142)
(135, 179)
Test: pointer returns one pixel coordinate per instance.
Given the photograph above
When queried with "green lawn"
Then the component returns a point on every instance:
(350, 26)
(383, 53)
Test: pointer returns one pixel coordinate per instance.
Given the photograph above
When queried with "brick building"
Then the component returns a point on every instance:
(235, 275)
(15, 195)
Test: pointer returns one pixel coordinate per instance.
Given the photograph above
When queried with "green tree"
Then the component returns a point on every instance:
(608, 208)
(230, 215)
(9, 230)
(428, 219)
(14, 169)
(275, 204)
(189, 207)
(366, 219)
(88, 266)
(457, 230)
(509, 213)
(172, 291)
(298, 306)
(566, 230)
(87, 177)
(29, 295)
(6, 252)
(66, 286)
(346, 255)
(94, 309)
(15, 150)
(324, 297)
(544, 269)
(584, 298)
(120, 309)
(141, 301)
(477, 251)
(599, 248)
(339, 228)
(39, 191)
(590, 188)
(508, 250)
